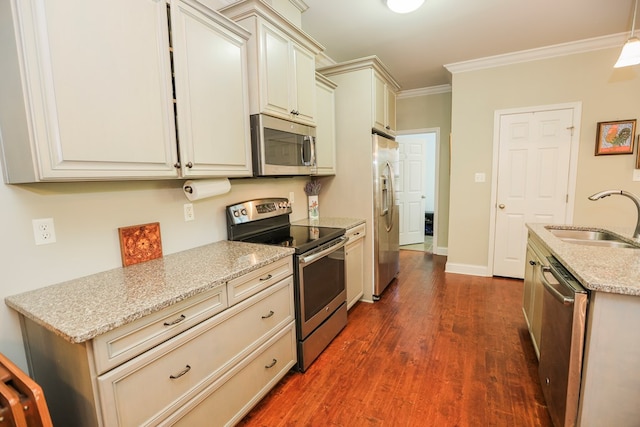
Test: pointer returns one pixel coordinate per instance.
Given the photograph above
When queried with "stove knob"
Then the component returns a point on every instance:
(236, 214)
(243, 211)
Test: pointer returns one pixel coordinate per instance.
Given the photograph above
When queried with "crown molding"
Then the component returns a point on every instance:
(563, 49)
(424, 91)
(300, 5)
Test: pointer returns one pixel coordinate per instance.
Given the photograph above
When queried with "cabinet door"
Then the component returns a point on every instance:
(212, 98)
(391, 110)
(275, 72)
(379, 103)
(325, 130)
(354, 264)
(303, 90)
(99, 81)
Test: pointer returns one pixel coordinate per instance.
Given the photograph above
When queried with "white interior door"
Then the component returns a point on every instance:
(533, 181)
(411, 191)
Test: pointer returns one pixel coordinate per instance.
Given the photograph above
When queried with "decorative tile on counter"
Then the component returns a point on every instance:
(602, 269)
(80, 309)
(331, 222)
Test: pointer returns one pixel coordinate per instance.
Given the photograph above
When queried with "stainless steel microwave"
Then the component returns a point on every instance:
(281, 147)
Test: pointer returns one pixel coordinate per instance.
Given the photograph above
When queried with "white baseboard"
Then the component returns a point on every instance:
(441, 250)
(468, 269)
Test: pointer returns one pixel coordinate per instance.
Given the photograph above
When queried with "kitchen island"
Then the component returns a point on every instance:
(210, 329)
(610, 384)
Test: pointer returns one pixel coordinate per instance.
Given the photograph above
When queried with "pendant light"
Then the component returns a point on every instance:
(630, 54)
(404, 6)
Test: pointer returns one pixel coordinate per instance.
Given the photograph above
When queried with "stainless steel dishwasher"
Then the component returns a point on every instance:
(564, 312)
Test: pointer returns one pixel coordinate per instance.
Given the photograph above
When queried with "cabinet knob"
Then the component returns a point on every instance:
(501, 206)
(176, 165)
(387, 127)
(189, 165)
(532, 262)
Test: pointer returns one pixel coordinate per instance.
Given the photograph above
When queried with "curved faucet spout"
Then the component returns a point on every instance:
(631, 196)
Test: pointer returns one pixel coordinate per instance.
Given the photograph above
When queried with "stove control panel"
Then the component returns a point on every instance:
(253, 210)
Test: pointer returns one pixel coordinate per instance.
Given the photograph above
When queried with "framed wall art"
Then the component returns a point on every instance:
(615, 137)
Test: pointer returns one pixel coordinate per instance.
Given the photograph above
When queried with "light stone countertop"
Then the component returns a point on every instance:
(330, 222)
(81, 309)
(602, 269)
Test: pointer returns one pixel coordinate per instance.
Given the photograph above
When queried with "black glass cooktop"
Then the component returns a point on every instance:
(301, 238)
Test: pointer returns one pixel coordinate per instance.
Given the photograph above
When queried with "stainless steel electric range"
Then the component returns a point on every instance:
(319, 268)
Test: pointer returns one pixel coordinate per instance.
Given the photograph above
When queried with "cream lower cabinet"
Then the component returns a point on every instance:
(87, 91)
(199, 362)
(354, 264)
(533, 292)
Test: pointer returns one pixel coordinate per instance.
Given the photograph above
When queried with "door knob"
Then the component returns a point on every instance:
(501, 206)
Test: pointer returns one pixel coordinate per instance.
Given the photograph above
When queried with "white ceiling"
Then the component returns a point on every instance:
(416, 46)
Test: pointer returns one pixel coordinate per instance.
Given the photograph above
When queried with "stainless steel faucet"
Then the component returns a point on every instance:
(632, 196)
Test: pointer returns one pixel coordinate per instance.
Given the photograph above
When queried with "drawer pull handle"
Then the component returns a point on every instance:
(173, 322)
(262, 279)
(181, 373)
(271, 313)
(272, 364)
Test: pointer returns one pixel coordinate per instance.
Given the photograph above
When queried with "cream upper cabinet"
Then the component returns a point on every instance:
(281, 62)
(368, 81)
(87, 89)
(212, 95)
(325, 126)
(384, 106)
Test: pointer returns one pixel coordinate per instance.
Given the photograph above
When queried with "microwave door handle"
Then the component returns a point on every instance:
(313, 150)
(306, 141)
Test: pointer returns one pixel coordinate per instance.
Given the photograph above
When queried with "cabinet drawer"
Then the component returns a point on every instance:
(157, 383)
(232, 396)
(357, 232)
(124, 343)
(249, 284)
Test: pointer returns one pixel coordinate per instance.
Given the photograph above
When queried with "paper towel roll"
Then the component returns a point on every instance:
(201, 189)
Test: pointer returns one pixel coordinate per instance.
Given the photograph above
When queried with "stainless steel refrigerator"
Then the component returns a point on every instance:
(386, 237)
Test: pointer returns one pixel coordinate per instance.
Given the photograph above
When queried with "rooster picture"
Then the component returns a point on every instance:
(616, 137)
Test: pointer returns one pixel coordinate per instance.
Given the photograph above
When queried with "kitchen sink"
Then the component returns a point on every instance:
(591, 238)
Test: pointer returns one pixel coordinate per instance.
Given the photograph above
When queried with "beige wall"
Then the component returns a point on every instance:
(606, 94)
(87, 217)
(424, 112)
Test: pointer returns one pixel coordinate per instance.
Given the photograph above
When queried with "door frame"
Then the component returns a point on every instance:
(573, 164)
(436, 192)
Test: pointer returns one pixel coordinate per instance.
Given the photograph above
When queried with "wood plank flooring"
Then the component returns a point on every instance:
(438, 349)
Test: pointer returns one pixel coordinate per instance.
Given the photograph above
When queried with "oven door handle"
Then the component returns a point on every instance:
(311, 258)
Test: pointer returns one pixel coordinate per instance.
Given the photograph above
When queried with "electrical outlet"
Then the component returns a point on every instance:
(291, 196)
(43, 231)
(189, 213)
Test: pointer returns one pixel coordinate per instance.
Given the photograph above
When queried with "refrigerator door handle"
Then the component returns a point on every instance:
(392, 196)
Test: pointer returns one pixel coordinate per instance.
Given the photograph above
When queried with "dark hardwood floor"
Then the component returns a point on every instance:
(438, 349)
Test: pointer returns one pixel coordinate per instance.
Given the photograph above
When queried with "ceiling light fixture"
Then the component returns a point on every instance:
(404, 6)
(630, 54)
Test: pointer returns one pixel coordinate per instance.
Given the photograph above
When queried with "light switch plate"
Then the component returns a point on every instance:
(480, 177)
(636, 175)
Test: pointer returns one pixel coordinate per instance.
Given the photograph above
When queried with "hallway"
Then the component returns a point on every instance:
(437, 350)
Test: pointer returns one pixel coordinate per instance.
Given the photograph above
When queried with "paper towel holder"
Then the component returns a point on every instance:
(202, 189)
